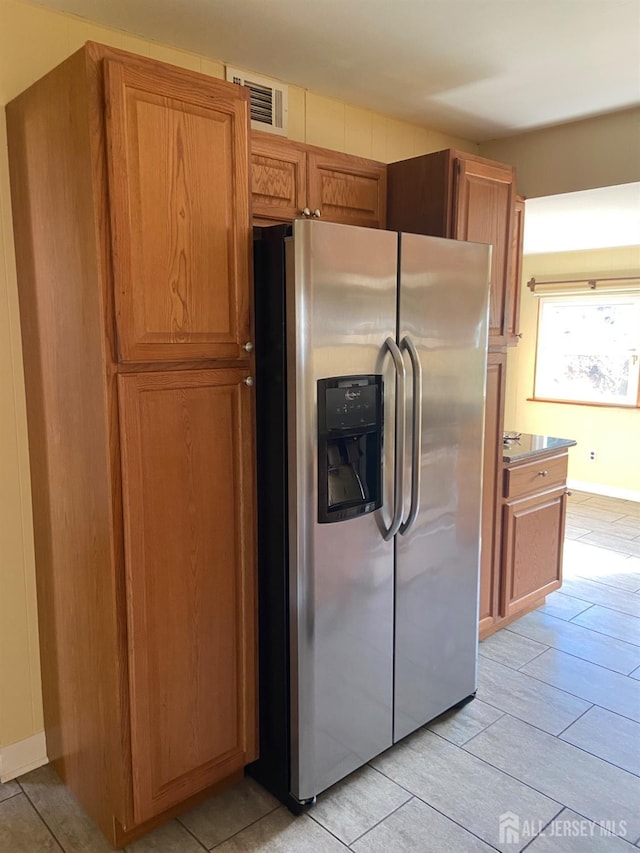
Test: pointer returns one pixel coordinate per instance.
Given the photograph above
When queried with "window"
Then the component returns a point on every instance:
(588, 349)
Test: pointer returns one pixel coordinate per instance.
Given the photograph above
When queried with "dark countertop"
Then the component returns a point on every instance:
(529, 446)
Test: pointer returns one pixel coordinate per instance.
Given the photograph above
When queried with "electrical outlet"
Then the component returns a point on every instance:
(592, 456)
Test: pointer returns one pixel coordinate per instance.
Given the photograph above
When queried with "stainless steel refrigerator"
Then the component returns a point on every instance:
(371, 367)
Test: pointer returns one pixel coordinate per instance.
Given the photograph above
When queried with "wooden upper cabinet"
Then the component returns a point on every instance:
(514, 290)
(289, 177)
(189, 551)
(278, 178)
(347, 189)
(483, 213)
(179, 201)
(454, 194)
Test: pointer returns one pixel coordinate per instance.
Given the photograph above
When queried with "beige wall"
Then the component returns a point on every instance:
(612, 433)
(597, 152)
(33, 40)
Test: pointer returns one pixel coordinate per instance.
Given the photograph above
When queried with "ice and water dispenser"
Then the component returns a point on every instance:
(350, 426)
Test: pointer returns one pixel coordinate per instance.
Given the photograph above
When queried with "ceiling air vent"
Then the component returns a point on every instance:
(268, 100)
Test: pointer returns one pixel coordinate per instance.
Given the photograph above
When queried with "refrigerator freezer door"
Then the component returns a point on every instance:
(341, 307)
(443, 311)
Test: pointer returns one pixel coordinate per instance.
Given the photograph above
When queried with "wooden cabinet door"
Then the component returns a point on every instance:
(483, 213)
(278, 178)
(179, 196)
(515, 282)
(492, 493)
(533, 538)
(347, 189)
(188, 491)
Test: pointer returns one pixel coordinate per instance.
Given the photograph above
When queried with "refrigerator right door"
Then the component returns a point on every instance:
(443, 305)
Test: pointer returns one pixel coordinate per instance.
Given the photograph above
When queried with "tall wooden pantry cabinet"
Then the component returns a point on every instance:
(130, 190)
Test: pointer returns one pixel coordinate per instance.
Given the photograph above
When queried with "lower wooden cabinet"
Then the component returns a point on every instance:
(187, 481)
(527, 563)
(533, 534)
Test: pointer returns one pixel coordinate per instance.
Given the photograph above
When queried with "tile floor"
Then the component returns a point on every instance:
(553, 737)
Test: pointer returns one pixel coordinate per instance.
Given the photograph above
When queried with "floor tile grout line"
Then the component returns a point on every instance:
(11, 796)
(593, 603)
(606, 760)
(537, 790)
(546, 826)
(382, 820)
(611, 636)
(460, 745)
(515, 668)
(599, 580)
(576, 695)
(48, 828)
(535, 657)
(577, 657)
(559, 735)
(515, 717)
(257, 820)
(188, 831)
(325, 828)
(619, 537)
(444, 814)
(561, 618)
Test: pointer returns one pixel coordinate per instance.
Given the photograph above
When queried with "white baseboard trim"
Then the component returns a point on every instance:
(606, 491)
(19, 758)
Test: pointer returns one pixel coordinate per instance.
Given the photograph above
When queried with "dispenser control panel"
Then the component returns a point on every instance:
(351, 407)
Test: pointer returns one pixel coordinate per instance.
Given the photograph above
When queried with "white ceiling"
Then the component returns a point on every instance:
(479, 69)
(591, 219)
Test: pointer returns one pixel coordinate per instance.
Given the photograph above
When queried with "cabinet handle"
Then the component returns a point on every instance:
(317, 213)
(542, 473)
(518, 335)
(248, 347)
(249, 381)
(305, 211)
(568, 494)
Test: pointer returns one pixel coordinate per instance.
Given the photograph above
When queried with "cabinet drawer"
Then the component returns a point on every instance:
(536, 476)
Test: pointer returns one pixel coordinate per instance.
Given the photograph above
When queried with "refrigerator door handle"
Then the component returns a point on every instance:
(416, 443)
(401, 403)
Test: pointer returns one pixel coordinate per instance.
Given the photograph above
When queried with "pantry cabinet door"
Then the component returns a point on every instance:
(188, 493)
(492, 493)
(178, 158)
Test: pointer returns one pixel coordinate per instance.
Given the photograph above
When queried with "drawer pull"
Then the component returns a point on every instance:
(542, 473)
(568, 494)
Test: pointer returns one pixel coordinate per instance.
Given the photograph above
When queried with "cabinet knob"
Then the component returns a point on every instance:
(248, 347)
(568, 494)
(305, 211)
(542, 473)
(249, 381)
(317, 213)
(518, 335)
